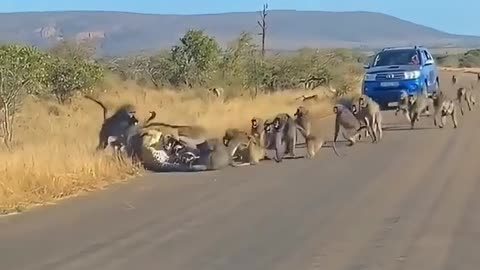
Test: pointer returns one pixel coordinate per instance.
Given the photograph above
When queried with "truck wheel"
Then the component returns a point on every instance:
(437, 86)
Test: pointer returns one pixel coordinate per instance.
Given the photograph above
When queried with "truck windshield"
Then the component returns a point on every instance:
(396, 57)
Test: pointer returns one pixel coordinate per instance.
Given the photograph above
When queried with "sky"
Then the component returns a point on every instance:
(450, 16)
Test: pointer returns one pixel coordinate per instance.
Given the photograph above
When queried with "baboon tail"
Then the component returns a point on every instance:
(334, 147)
(153, 114)
(105, 111)
(158, 124)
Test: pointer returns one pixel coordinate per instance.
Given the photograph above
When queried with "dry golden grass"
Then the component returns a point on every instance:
(465, 70)
(54, 156)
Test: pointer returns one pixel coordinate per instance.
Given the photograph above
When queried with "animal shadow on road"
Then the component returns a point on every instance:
(406, 128)
(300, 145)
(295, 157)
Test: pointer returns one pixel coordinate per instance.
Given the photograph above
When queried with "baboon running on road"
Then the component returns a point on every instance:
(403, 107)
(438, 99)
(418, 105)
(447, 108)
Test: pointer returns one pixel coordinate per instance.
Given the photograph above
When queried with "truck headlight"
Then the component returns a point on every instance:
(369, 77)
(412, 74)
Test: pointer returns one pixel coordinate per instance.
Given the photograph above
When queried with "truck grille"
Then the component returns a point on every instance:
(388, 76)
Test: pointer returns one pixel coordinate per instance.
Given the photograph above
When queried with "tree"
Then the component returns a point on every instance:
(70, 76)
(72, 69)
(195, 58)
(23, 70)
(263, 26)
(238, 65)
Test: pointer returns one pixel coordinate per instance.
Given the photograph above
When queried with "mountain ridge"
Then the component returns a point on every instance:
(120, 33)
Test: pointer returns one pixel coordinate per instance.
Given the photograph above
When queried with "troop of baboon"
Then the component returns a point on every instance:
(167, 147)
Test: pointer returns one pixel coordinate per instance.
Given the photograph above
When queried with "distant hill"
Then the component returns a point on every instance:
(122, 33)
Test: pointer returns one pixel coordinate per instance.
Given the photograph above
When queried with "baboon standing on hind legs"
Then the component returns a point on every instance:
(117, 125)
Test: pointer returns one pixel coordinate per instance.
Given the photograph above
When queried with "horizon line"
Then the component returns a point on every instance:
(190, 14)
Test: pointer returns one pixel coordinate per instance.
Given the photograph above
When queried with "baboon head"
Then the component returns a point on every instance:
(267, 126)
(126, 113)
(411, 99)
(336, 109)
(301, 111)
(354, 109)
(444, 107)
(362, 101)
(254, 122)
(278, 123)
(257, 125)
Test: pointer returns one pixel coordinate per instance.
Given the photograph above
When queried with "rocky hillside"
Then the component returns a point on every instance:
(121, 33)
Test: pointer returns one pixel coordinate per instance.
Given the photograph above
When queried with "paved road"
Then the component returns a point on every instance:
(362, 211)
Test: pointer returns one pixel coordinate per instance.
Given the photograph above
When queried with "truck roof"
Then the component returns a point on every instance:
(403, 48)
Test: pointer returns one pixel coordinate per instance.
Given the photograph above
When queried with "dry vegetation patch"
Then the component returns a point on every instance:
(53, 154)
(52, 133)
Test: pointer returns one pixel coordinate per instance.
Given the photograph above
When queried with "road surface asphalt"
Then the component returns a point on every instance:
(409, 202)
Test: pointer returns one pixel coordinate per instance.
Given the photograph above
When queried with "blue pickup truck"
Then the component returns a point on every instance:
(397, 71)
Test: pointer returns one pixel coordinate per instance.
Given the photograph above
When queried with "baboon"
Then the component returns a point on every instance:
(233, 133)
(448, 108)
(302, 118)
(467, 95)
(257, 126)
(418, 105)
(344, 118)
(117, 124)
(285, 130)
(369, 112)
(263, 130)
(454, 79)
(361, 119)
(403, 107)
(438, 99)
(314, 143)
(215, 156)
(216, 91)
(256, 149)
